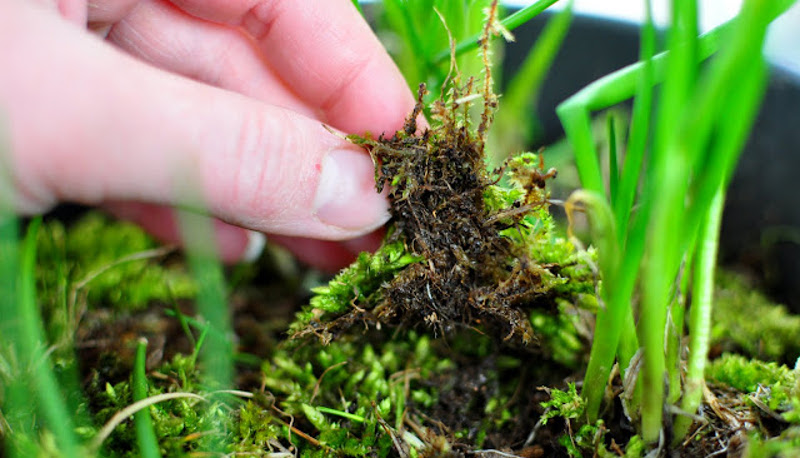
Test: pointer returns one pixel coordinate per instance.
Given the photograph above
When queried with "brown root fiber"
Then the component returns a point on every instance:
(471, 274)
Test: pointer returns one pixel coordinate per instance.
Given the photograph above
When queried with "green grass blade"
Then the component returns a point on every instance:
(395, 17)
(659, 268)
(18, 400)
(510, 23)
(608, 91)
(145, 434)
(358, 7)
(610, 318)
(615, 334)
(577, 125)
(515, 121)
(49, 397)
(639, 127)
(668, 184)
(613, 170)
(700, 313)
(622, 84)
(732, 91)
(217, 353)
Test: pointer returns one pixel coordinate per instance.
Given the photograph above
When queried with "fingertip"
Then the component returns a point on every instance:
(346, 196)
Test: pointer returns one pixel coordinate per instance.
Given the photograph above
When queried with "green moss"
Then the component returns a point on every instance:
(360, 283)
(784, 446)
(351, 397)
(569, 407)
(468, 247)
(766, 383)
(99, 256)
(746, 320)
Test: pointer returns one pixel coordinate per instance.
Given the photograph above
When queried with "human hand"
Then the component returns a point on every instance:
(231, 94)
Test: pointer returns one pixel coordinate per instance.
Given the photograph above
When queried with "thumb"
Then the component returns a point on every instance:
(103, 126)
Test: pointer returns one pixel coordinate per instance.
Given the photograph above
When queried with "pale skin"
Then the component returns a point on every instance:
(138, 106)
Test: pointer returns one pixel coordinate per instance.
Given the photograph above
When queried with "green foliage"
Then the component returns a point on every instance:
(414, 34)
(772, 384)
(784, 446)
(92, 253)
(570, 406)
(682, 160)
(181, 425)
(746, 320)
(350, 396)
(359, 283)
(560, 334)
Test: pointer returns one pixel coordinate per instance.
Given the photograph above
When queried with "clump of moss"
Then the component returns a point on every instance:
(768, 385)
(468, 247)
(360, 283)
(113, 264)
(352, 398)
(472, 272)
(745, 320)
(569, 407)
(753, 406)
(182, 425)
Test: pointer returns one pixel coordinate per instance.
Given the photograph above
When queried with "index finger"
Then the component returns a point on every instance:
(326, 53)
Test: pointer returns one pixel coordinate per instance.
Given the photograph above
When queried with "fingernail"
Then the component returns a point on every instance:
(256, 241)
(346, 195)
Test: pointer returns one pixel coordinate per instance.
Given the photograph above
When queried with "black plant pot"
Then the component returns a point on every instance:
(761, 223)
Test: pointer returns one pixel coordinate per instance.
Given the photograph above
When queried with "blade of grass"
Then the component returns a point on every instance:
(609, 318)
(664, 223)
(668, 184)
(347, 415)
(613, 171)
(145, 434)
(577, 125)
(358, 7)
(31, 341)
(511, 22)
(199, 241)
(515, 121)
(730, 140)
(17, 398)
(574, 114)
(639, 126)
(217, 353)
(726, 92)
(700, 313)
(622, 84)
(608, 91)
